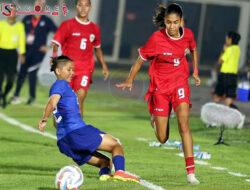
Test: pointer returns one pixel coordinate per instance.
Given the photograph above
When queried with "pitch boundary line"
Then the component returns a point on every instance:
(28, 128)
(205, 163)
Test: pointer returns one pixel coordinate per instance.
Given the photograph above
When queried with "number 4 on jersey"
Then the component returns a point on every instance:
(176, 62)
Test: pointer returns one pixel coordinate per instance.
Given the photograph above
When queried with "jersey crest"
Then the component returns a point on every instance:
(92, 37)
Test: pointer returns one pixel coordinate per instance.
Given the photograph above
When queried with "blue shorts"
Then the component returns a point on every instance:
(81, 143)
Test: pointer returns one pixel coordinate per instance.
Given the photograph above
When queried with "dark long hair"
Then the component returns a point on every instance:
(162, 11)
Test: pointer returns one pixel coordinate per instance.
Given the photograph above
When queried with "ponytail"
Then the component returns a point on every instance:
(158, 19)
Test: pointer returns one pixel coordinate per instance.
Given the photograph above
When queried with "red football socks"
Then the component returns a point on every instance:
(190, 165)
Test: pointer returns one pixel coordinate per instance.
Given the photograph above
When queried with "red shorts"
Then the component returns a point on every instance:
(82, 80)
(161, 104)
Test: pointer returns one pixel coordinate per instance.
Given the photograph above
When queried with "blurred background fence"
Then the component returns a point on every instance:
(127, 24)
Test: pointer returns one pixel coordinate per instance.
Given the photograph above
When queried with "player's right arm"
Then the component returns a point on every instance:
(55, 49)
(224, 54)
(59, 37)
(53, 101)
(133, 71)
(146, 52)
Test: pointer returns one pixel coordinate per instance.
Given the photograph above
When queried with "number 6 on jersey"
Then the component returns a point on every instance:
(83, 44)
(84, 81)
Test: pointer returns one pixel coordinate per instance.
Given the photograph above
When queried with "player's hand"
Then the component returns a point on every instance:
(105, 73)
(22, 59)
(50, 62)
(44, 49)
(127, 84)
(224, 47)
(42, 124)
(197, 79)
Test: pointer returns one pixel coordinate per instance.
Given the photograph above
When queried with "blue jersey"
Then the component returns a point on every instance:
(67, 114)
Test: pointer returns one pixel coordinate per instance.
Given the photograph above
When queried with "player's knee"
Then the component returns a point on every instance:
(117, 144)
(184, 129)
(117, 147)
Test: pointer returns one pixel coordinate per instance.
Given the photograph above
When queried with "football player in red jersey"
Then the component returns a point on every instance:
(78, 37)
(166, 49)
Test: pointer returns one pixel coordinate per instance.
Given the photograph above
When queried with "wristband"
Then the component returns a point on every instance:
(54, 54)
(44, 120)
(196, 71)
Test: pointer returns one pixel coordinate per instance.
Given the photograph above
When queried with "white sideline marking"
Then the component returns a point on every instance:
(150, 185)
(142, 139)
(218, 168)
(201, 162)
(168, 148)
(32, 130)
(237, 174)
(146, 183)
(25, 127)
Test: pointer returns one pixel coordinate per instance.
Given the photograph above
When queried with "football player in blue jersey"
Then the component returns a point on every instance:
(75, 138)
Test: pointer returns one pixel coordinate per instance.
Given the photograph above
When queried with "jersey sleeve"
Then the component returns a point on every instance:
(192, 42)
(58, 88)
(21, 39)
(1, 26)
(148, 51)
(61, 34)
(97, 41)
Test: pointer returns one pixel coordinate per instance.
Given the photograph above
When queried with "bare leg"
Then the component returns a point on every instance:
(161, 127)
(100, 160)
(187, 141)
(182, 112)
(110, 144)
(81, 94)
(104, 163)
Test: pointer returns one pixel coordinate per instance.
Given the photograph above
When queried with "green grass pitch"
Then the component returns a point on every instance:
(30, 161)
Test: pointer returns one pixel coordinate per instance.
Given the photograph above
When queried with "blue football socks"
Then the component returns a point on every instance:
(119, 162)
(104, 171)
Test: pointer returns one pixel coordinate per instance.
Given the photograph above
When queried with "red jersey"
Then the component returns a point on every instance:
(168, 64)
(77, 40)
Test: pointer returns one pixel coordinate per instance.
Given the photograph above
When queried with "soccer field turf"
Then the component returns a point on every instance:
(30, 161)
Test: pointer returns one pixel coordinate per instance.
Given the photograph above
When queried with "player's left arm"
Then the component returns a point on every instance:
(21, 42)
(53, 101)
(100, 58)
(194, 57)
